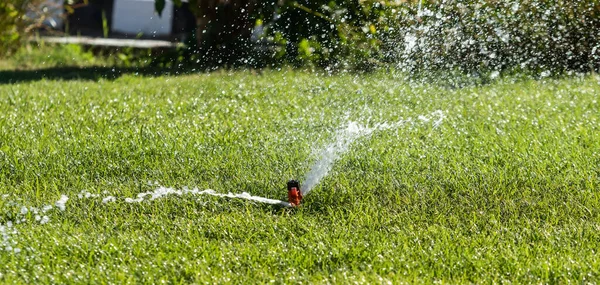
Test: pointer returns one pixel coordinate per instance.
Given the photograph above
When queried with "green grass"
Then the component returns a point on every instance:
(505, 189)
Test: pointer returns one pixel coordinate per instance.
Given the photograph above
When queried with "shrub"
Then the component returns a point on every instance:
(468, 36)
(10, 25)
(61, 55)
(538, 35)
(546, 36)
(18, 19)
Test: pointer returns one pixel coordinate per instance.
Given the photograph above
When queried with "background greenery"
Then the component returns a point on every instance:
(469, 36)
(12, 25)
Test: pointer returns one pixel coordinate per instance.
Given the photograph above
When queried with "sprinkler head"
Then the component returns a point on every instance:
(294, 193)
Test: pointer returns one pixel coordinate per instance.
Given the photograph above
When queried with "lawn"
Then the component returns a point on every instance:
(505, 187)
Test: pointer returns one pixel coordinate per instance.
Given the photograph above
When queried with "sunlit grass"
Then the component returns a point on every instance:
(505, 189)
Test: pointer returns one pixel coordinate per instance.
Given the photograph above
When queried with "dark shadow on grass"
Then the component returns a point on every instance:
(84, 73)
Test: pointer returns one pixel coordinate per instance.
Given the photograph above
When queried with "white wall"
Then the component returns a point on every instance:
(132, 17)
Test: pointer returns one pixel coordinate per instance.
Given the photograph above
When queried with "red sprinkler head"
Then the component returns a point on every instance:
(294, 193)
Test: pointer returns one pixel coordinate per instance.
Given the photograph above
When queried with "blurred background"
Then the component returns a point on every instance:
(413, 36)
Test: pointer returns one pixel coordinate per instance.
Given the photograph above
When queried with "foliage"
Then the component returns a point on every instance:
(11, 25)
(47, 56)
(541, 35)
(505, 190)
(53, 56)
(19, 19)
(469, 36)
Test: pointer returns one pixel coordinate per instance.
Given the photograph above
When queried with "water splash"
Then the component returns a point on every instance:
(344, 139)
(162, 192)
(8, 229)
(62, 202)
(6, 243)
